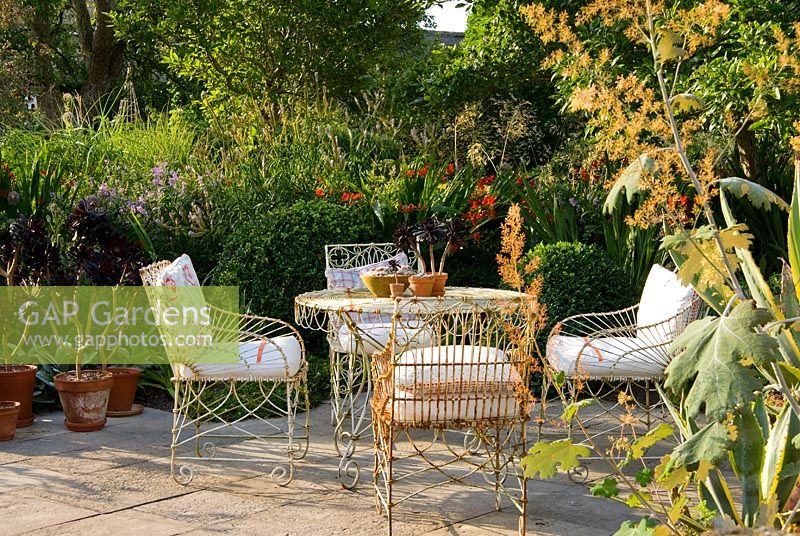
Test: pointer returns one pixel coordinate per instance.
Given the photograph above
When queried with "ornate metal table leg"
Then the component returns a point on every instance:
(352, 413)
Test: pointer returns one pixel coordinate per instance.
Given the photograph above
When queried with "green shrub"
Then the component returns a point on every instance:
(476, 264)
(276, 255)
(578, 278)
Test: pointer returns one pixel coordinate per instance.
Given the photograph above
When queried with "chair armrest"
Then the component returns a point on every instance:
(382, 370)
(656, 336)
(248, 327)
(594, 325)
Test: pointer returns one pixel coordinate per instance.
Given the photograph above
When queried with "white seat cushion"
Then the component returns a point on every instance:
(454, 369)
(663, 297)
(454, 383)
(465, 407)
(608, 357)
(375, 336)
(279, 358)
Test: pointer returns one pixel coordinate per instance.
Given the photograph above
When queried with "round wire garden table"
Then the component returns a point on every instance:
(350, 317)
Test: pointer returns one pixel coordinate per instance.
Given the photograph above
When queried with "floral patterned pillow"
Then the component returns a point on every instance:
(179, 274)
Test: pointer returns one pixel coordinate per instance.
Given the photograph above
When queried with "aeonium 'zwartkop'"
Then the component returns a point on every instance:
(454, 232)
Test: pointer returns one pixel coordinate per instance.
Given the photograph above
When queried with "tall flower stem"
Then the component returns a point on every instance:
(679, 148)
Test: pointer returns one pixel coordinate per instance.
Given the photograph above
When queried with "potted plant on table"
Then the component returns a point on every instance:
(422, 283)
(431, 231)
(397, 288)
(379, 280)
(454, 235)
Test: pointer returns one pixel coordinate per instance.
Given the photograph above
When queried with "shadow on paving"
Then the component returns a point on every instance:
(93, 482)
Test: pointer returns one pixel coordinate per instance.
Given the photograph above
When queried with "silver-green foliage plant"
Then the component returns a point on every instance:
(732, 384)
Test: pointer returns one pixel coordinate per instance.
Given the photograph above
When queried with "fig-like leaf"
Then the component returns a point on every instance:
(714, 358)
(669, 46)
(628, 182)
(686, 103)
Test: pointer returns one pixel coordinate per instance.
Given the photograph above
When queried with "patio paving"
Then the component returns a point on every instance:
(117, 481)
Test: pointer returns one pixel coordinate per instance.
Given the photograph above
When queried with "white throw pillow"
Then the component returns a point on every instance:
(663, 297)
(179, 274)
(179, 287)
(607, 357)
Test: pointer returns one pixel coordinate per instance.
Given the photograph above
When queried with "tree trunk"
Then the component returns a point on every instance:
(745, 145)
(106, 59)
(84, 24)
(45, 85)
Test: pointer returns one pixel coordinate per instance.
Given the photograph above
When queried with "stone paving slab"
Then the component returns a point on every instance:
(117, 482)
(22, 512)
(89, 460)
(119, 524)
(15, 476)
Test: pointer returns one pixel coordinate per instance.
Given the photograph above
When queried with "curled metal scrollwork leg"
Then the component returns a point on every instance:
(579, 474)
(282, 475)
(347, 444)
(208, 450)
(349, 473)
(496, 475)
(299, 448)
(184, 475)
(472, 442)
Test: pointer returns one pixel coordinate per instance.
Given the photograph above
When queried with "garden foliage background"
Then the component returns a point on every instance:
(251, 134)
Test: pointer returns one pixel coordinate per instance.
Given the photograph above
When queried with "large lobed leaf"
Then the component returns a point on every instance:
(703, 263)
(669, 46)
(711, 444)
(712, 352)
(639, 446)
(686, 103)
(645, 527)
(759, 196)
(628, 183)
(547, 458)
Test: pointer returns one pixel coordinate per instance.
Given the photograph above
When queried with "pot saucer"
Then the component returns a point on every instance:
(84, 426)
(136, 409)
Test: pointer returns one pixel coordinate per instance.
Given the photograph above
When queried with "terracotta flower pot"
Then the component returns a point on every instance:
(17, 384)
(9, 409)
(438, 285)
(123, 391)
(421, 287)
(397, 289)
(85, 400)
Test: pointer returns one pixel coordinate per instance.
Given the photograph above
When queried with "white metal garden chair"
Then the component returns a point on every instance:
(614, 357)
(351, 340)
(344, 264)
(468, 380)
(271, 362)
